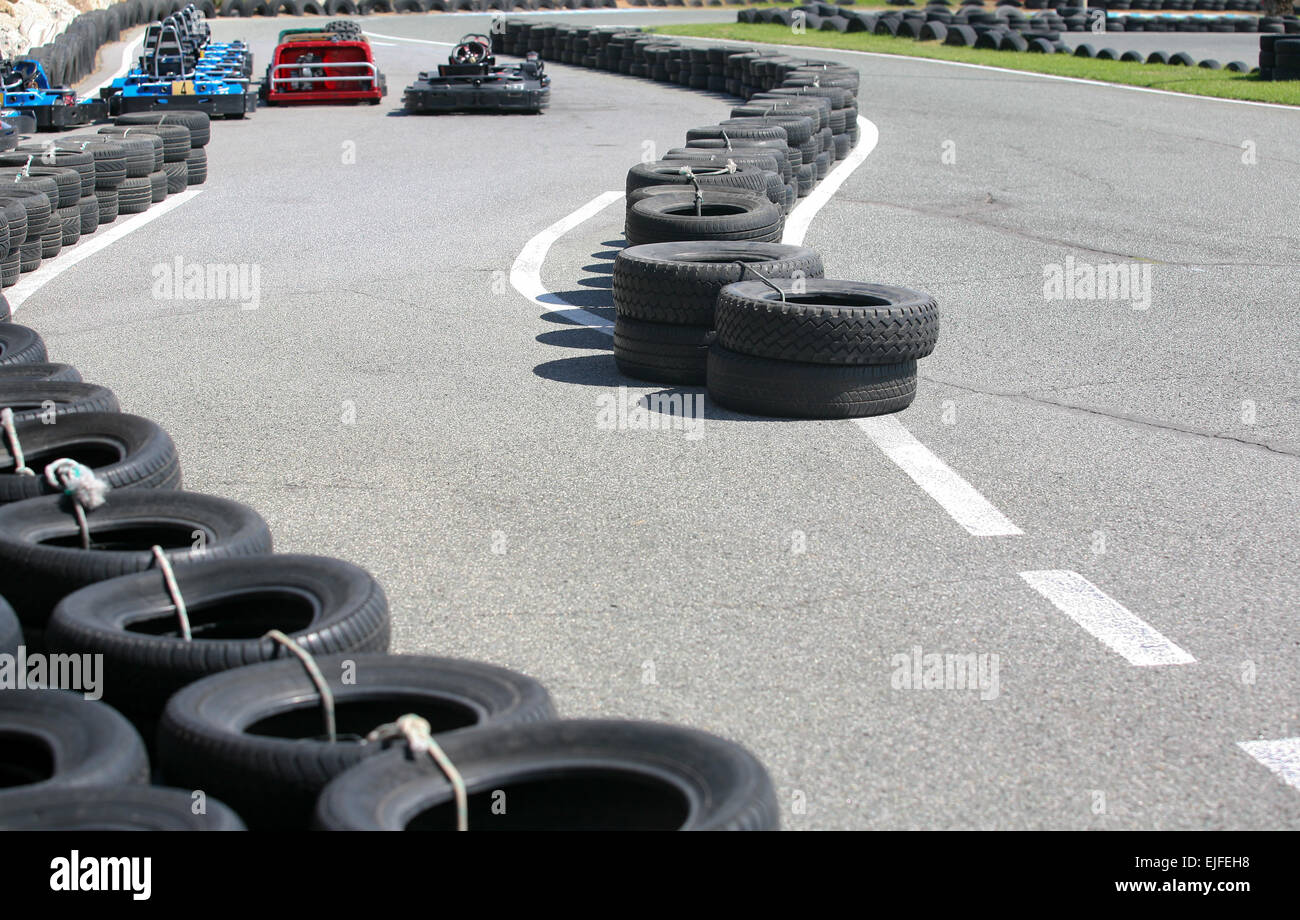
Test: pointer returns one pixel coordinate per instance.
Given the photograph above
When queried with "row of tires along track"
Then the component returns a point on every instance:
(57, 190)
(1007, 29)
(826, 17)
(209, 701)
(705, 292)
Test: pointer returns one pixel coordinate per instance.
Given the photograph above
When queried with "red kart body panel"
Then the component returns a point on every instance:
(306, 72)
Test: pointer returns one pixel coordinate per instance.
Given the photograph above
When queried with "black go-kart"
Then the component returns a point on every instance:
(472, 81)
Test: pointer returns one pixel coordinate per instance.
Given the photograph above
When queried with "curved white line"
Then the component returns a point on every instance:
(526, 273)
(128, 56)
(30, 284)
(414, 41)
(801, 218)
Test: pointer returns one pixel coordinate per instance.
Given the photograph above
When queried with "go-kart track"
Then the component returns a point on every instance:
(1097, 497)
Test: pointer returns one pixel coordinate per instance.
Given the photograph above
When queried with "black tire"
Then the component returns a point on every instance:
(1041, 46)
(175, 138)
(198, 123)
(18, 185)
(272, 777)
(135, 195)
(112, 163)
(679, 282)
(52, 238)
(157, 186)
(36, 205)
(37, 400)
(828, 322)
(761, 108)
(197, 167)
(10, 268)
(178, 177)
(43, 371)
(788, 389)
(57, 739)
(661, 352)
(806, 179)
(127, 451)
(960, 36)
(67, 180)
(669, 172)
(89, 208)
(726, 216)
(1157, 57)
(118, 808)
(328, 606)
(768, 161)
(1182, 59)
(737, 133)
(41, 559)
(798, 128)
(580, 774)
(11, 633)
(70, 218)
(14, 213)
(30, 256)
(108, 207)
(49, 154)
(1013, 41)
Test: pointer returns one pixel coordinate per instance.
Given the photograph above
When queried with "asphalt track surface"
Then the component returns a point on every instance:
(396, 402)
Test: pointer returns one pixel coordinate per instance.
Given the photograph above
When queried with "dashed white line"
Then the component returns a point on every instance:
(1116, 626)
(29, 284)
(955, 495)
(801, 218)
(526, 273)
(1281, 756)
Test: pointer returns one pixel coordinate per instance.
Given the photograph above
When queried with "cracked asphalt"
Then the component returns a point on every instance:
(396, 403)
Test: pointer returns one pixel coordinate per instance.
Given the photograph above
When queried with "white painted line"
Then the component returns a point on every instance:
(526, 273)
(1110, 621)
(1007, 70)
(955, 495)
(801, 218)
(414, 41)
(128, 59)
(1281, 756)
(31, 283)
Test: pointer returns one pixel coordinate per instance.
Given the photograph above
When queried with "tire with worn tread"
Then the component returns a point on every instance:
(39, 400)
(827, 322)
(679, 282)
(725, 216)
(273, 775)
(128, 451)
(661, 352)
(21, 345)
(326, 605)
(789, 389)
(41, 559)
(57, 739)
(117, 808)
(567, 775)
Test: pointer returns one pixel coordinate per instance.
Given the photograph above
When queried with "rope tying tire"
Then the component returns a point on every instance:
(761, 277)
(15, 448)
(419, 738)
(173, 589)
(80, 484)
(317, 678)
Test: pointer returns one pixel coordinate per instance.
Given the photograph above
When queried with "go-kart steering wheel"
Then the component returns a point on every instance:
(473, 49)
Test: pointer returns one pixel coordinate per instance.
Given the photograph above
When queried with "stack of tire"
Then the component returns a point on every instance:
(225, 716)
(59, 190)
(1279, 58)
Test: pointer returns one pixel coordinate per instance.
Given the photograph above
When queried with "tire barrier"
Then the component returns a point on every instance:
(1007, 28)
(705, 221)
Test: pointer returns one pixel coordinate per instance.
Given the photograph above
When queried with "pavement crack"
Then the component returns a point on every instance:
(1125, 418)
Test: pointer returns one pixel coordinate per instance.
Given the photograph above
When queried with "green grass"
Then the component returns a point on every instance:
(1193, 80)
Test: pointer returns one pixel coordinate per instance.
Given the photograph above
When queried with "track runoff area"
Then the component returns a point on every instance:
(1093, 496)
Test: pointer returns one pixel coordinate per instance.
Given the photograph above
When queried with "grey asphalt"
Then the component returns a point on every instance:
(645, 574)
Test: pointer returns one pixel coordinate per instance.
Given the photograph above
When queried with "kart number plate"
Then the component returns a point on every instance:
(183, 88)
